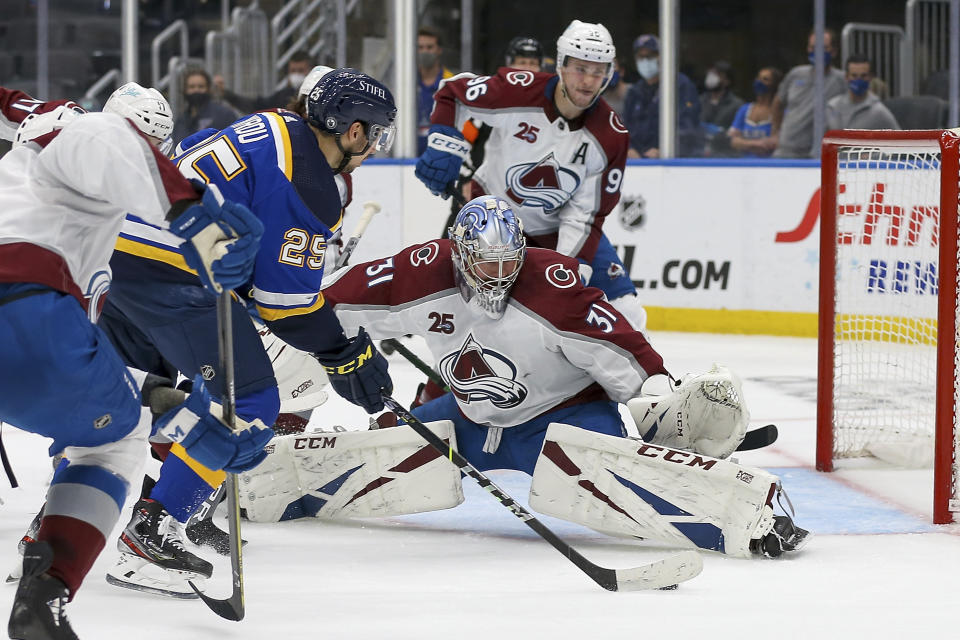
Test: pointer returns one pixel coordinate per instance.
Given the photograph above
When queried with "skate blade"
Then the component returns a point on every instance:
(138, 574)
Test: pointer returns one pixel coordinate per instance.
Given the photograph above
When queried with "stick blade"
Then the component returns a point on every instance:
(229, 609)
(662, 574)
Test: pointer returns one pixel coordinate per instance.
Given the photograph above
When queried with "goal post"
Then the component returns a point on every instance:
(887, 344)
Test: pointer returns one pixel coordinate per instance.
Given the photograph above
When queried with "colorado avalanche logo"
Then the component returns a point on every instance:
(561, 277)
(541, 184)
(477, 375)
(96, 293)
(425, 254)
(616, 123)
(521, 78)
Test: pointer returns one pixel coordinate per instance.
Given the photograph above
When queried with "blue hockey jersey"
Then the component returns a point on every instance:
(269, 161)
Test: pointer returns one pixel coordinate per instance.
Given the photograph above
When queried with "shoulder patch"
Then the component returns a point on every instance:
(560, 276)
(520, 78)
(616, 124)
(425, 254)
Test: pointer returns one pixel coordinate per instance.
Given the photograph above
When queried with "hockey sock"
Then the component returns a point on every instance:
(83, 506)
(184, 484)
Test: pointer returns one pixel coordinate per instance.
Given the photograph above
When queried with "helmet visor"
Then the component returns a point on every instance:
(381, 137)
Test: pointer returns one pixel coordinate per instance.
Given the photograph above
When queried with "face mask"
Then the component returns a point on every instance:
(859, 86)
(760, 87)
(197, 99)
(712, 81)
(826, 58)
(648, 67)
(426, 59)
(296, 79)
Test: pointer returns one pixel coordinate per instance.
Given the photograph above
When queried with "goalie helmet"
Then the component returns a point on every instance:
(587, 41)
(344, 96)
(488, 252)
(146, 108)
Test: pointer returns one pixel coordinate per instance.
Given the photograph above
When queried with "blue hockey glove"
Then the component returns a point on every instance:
(221, 240)
(358, 372)
(208, 440)
(440, 163)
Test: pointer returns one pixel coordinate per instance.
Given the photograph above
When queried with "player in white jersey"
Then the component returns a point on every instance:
(64, 188)
(556, 152)
(521, 343)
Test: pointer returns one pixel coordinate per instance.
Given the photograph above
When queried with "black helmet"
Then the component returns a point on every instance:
(524, 47)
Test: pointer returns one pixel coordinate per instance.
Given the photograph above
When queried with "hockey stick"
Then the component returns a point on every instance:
(662, 574)
(233, 607)
(370, 209)
(455, 193)
(759, 438)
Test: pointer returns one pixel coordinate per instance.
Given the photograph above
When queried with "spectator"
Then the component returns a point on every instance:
(859, 108)
(750, 132)
(202, 111)
(793, 105)
(431, 72)
(616, 92)
(298, 66)
(718, 106)
(524, 53)
(641, 107)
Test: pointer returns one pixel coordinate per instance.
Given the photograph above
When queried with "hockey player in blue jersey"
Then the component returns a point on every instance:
(283, 167)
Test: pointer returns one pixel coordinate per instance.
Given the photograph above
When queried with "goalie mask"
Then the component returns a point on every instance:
(488, 252)
(590, 42)
(147, 109)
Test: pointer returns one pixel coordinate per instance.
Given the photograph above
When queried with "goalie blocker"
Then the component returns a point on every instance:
(620, 486)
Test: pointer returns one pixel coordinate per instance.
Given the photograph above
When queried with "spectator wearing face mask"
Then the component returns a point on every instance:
(430, 73)
(750, 132)
(298, 66)
(859, 107)
(718, 106)
(616, 92)
(202, 111)
(641, 109)
(794, 102)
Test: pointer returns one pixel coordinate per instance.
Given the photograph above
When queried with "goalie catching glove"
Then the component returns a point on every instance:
(358, 372)
(221, 239)
(704, 414)
(440, 163)
(208, 440)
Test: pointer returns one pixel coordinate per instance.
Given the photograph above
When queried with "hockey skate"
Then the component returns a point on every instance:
(28, 537)
(785, 536)
(153, 557)
(38, 608)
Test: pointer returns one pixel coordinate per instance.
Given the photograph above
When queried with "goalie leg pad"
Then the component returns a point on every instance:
(705, 414)
(351, 474)
(626, 487)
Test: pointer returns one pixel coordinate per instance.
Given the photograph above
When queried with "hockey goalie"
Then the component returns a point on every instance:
(536, 365)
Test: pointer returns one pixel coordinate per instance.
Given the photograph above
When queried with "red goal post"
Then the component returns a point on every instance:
(887, 351)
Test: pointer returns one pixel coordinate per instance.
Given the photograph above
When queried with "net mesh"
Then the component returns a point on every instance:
(885, 321)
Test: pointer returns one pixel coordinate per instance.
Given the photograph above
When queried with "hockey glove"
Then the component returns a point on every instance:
(221, 239)
(208, 440)
(358, 372)
(440, 163)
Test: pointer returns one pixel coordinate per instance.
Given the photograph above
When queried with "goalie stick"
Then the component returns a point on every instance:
(370, 209)
(661, 574)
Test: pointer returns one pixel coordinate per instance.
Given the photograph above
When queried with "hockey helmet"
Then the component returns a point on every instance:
(587, 41)
(488, 252)
(344, 96)
(524, 47)
(146, 108)
(312, 79)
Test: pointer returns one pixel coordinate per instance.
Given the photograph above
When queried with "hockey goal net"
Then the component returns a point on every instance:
(888, 359)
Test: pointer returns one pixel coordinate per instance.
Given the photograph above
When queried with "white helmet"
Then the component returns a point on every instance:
(313, 78)
(587, 41)
(146, 108)
(38, 124)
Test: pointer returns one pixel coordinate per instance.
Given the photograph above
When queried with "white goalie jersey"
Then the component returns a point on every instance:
(558, 342)
(561, 177)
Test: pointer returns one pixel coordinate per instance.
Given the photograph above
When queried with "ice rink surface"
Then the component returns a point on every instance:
(876, 567)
